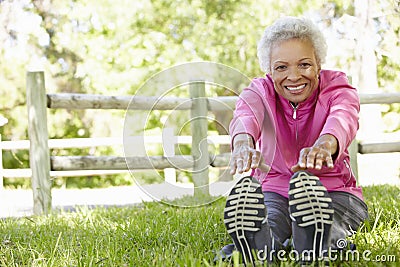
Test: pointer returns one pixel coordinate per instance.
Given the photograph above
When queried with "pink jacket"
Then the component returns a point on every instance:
(281, 131)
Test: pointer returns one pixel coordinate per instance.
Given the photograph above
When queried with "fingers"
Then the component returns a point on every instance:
(303, 158)
(240, 163)
(319, 160)
(255, 159)
(259, 162)
(243, 161)
(329, 161)
(233, 167)
(313, 158)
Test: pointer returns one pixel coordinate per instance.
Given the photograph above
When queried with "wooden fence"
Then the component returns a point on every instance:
(167, 139)
(199, 161)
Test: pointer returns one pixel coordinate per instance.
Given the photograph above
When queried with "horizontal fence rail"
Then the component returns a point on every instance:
(92, 142)
(381, 98)
(120, 163)
(83, 101)
(378, 147)
(108, 141)
(138, 163)
(27, 173)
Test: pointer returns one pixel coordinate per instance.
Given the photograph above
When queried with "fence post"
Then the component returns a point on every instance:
(168, 143)
(199, 127)
(353, 151)
(39, 155)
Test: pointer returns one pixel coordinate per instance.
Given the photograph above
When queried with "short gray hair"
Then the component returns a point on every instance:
(289, 28)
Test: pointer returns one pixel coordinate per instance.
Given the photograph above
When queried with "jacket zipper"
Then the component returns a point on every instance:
(294, 110)
(294, 116)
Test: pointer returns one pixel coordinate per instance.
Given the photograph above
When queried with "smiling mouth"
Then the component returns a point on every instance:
(296, 88)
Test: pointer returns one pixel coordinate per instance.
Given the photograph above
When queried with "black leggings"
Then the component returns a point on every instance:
(349, 213)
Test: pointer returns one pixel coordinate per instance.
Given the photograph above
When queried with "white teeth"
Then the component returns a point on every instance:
(295, 88)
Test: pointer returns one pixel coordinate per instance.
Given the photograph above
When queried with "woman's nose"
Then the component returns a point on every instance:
(294, 74)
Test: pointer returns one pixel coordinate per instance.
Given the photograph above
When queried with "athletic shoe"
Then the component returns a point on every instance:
(311, 208)
(245, 218)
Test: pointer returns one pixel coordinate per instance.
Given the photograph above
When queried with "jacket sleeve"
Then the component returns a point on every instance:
(249, 113)
(343, 109)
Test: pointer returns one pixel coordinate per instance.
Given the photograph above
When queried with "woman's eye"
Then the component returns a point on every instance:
(281, 67)
(305, 65)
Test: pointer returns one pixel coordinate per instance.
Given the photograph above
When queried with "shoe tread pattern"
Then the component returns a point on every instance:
(244, 213)
(309, 201)
(245, 209)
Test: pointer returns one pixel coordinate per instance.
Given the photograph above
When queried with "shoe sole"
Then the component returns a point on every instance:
(310, 206)
(243, 215)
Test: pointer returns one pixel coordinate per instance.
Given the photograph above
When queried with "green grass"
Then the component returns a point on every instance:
(154, 234)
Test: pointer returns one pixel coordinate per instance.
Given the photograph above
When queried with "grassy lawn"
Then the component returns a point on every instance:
(154, 234)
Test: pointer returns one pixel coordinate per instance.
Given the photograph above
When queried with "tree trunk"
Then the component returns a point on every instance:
(371, 125)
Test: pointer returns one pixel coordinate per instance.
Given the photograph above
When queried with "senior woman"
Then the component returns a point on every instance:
(292, 129)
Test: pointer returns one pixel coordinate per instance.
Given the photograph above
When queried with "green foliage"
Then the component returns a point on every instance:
(380, 232)
(151, 234)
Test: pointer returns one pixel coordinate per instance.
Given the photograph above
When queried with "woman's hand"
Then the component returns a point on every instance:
(245, 157)
(320, 154)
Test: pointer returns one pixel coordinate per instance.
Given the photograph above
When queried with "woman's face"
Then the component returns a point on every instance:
(294, 69)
